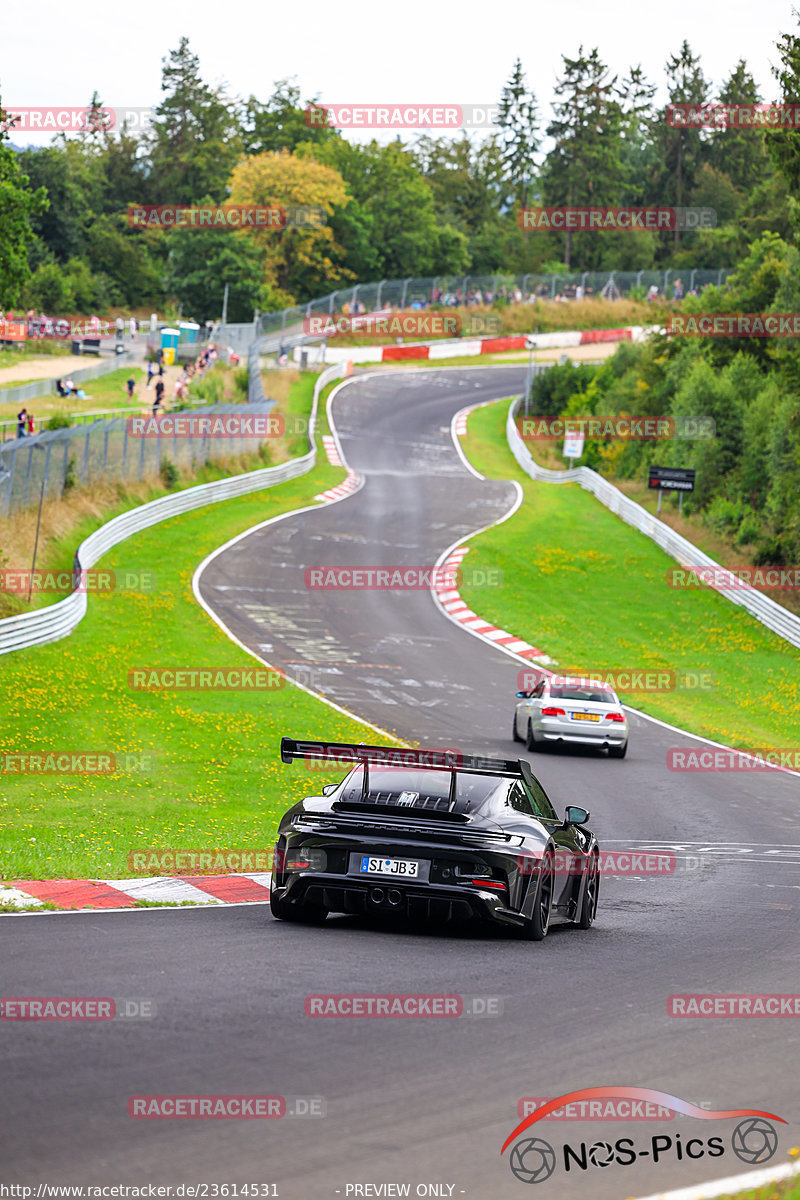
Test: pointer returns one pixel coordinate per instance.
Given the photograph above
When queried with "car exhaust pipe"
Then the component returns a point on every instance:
(377, 895)
(394, 897)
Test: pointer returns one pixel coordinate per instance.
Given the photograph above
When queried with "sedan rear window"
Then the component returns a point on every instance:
(595, 695)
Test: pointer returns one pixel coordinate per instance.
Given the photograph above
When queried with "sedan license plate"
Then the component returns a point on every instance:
(586, 716)
(401, 868)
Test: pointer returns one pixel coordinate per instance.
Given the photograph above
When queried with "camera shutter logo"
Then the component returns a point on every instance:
(533, 1160)
(754, 1140)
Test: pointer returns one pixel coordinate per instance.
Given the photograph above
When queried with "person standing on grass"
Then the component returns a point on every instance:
(21, 422)
(150, 373)
(30, 423)
(131, 384)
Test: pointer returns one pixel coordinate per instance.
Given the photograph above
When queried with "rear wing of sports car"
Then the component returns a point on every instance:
(352, 753)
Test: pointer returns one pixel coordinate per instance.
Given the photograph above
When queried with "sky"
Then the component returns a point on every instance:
(56, 53)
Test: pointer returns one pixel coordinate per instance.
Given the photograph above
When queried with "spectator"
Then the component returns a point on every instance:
(30, 423)
(22, 416)
(62, 391)
(652, 293)
(160, 363)
(70, 386)
(579, 292)
(119, 326)
(131, 384)
(150, 373)
(133, 326)
(159, 395)
(677, 290)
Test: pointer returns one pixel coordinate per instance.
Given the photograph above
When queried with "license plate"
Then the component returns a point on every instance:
(405, 868)
(585, 716)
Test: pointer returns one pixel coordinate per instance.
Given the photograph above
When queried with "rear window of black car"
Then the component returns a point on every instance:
(421, 790)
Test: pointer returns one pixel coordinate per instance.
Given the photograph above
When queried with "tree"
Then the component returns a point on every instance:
(399, 205)
(282, 123)
(195, 140)
(584, 167)
(518, 120)
(637, 150)
(784, 144)
(740, 153)
(301, 260)
(20, 205)
(682, 150)
(200, 263)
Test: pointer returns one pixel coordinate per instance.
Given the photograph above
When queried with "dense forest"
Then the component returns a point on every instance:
(417, 206)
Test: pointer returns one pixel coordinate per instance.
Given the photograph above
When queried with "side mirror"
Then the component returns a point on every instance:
(523, 695)
(329, 787)
(575, 815)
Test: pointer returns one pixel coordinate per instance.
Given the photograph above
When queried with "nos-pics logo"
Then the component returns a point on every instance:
(533, 1160)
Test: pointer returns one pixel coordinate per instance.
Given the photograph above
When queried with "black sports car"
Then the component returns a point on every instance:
(434, 835)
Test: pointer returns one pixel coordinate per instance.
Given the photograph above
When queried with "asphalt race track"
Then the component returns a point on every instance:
(427, 1101)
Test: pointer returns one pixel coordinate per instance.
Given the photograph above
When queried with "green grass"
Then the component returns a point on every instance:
(107, 391)
(214, 777)
(788, 1189)
(591, 592)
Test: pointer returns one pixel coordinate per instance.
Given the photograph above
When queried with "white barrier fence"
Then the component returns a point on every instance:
(58, 620)
(765, 610)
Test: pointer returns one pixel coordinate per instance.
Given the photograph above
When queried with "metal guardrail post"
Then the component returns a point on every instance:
(85, 456)
(27, 477)
(46, 480)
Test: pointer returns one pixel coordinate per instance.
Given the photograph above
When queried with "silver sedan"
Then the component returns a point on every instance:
(582, 711)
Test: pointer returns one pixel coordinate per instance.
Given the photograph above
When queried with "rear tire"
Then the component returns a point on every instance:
(588, 910)
(530, 741)
(300, 914)
(618, 751)
(536, 926)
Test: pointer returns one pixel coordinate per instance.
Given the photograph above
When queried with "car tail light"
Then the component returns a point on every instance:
(615, 717)
(489, 883)
(553, 712)
(307, 858)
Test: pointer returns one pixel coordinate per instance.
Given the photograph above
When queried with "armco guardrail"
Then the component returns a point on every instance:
(773, 615)
(58, 620)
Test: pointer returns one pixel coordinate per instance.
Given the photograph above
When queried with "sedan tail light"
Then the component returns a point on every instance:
(495, 884)
(615, 717)
(553, 712)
